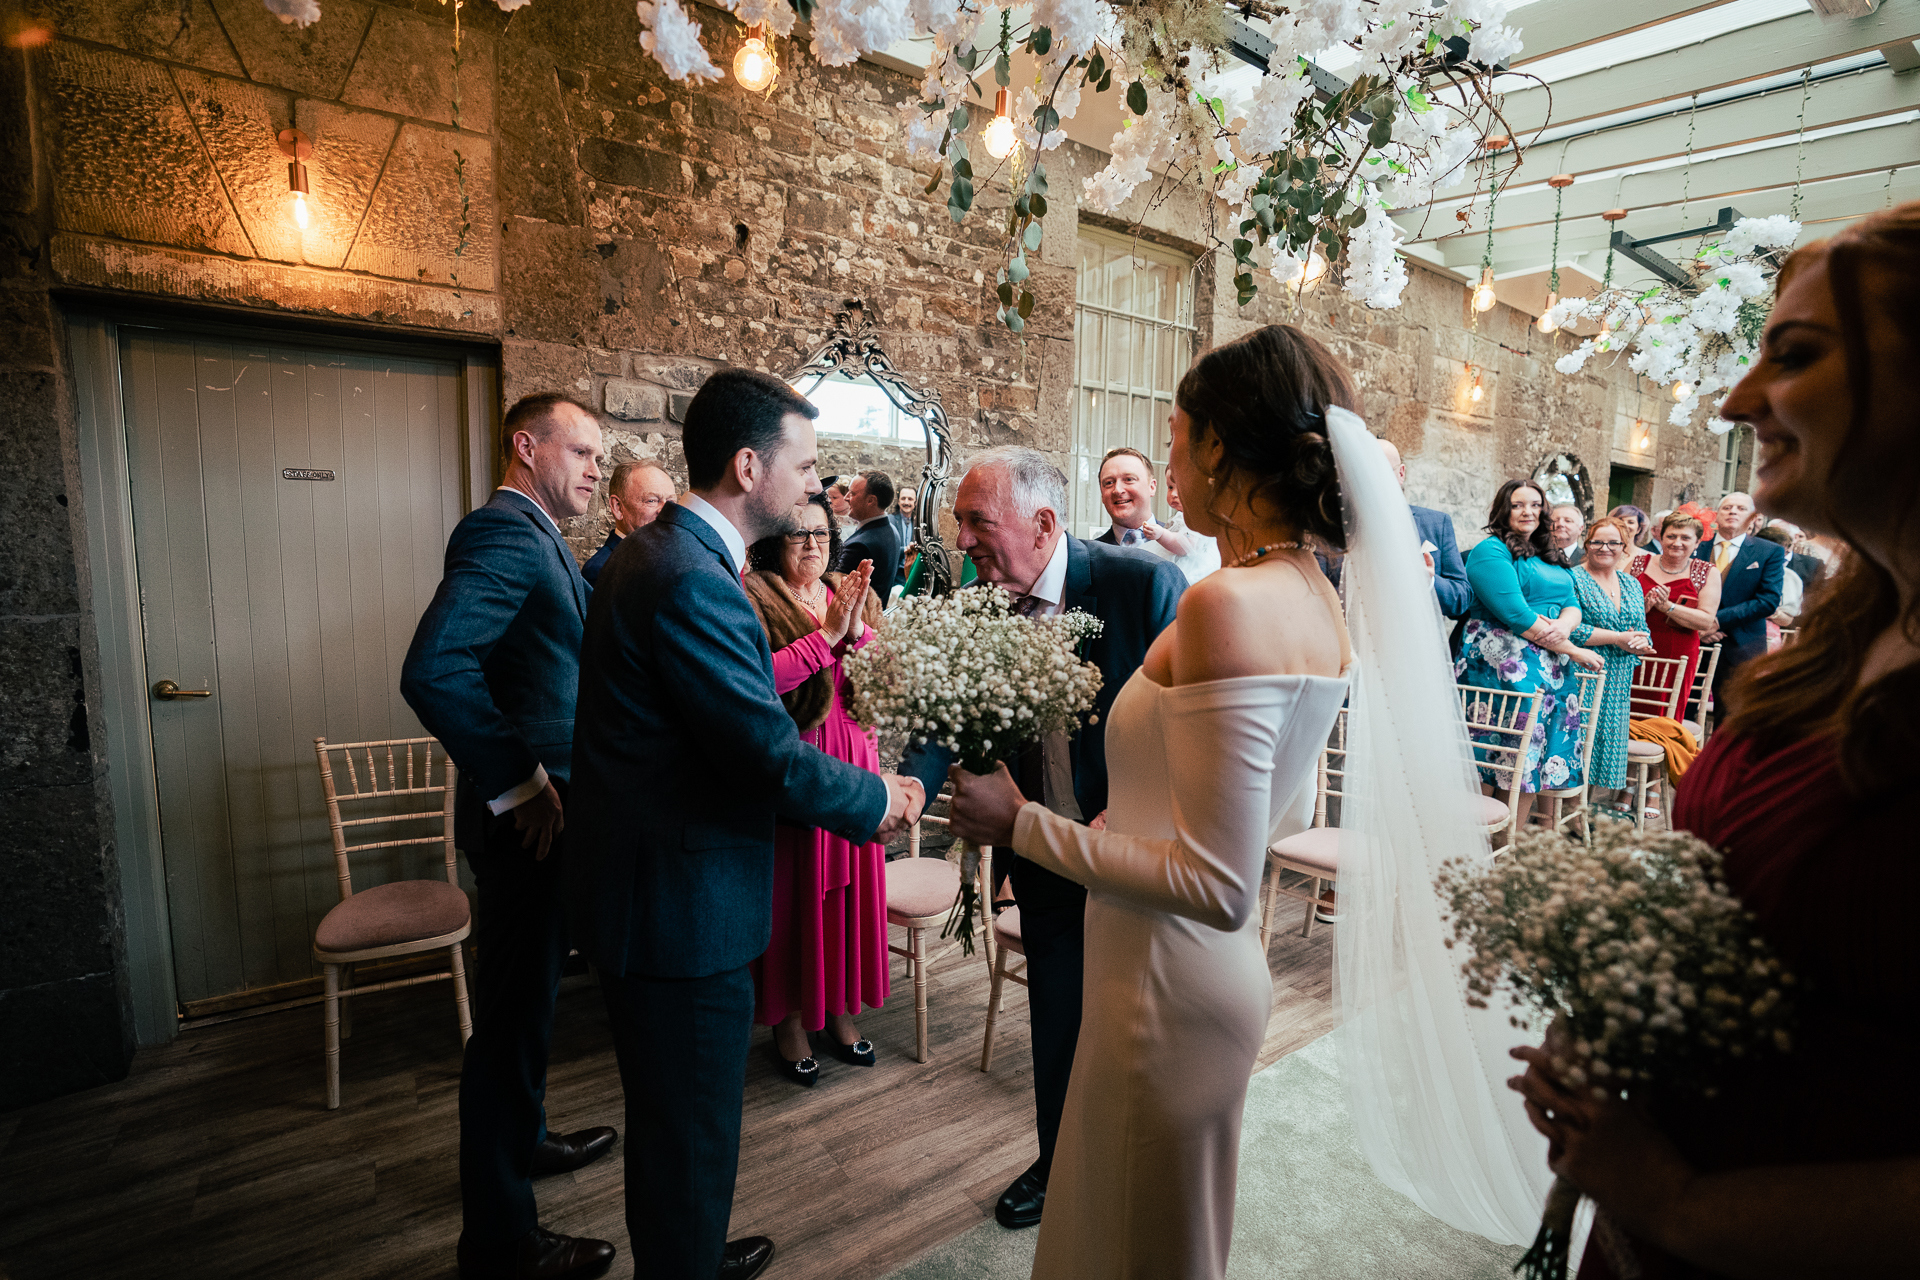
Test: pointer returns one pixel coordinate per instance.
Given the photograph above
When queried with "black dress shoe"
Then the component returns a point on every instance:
(746, 1258)
(540, 1255)
(565, 1152)
(804, 1072)
(859, 1053)
(1020, 1204)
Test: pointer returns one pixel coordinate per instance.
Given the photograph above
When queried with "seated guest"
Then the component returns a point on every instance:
(1613, 622)
(868, 499)
(1568, 524)
(1804, 1163)
(1643, 527)
(634, 497)
(1202, 554)
(1682, 593)
(1516, 641)
(828, 956)
(1750, 586)
(1441, 547)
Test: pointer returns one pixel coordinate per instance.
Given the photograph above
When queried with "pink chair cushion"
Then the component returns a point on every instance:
(1693, 727)
(1492, 810)
(1317, 847)
(389, 914)
(918, 887)
(1648, 751)
(1006, 931)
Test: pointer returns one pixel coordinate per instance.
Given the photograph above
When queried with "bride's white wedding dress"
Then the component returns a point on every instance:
(1202, 778)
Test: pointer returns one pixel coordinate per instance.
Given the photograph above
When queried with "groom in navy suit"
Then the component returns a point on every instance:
(492, 672)
(1010, 508)
(683, 760)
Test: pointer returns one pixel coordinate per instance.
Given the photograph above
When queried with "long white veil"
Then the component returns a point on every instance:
(1425, 1073)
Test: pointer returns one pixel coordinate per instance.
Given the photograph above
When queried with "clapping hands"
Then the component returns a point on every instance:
(843, 611)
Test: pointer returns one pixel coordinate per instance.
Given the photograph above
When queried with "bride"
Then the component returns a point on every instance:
(1211, 747)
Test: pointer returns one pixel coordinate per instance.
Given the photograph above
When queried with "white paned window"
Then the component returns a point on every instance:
(857, 409)
(1132, 340)
(1730, 460)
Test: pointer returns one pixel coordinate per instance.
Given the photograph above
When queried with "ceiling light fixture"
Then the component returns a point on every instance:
(754, 66)
(1682, 389)
(1312, 274)
(1483, 295)
(999, 135)
(296, 147)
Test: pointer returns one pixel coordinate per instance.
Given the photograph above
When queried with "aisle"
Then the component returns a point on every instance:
(1309, 1208)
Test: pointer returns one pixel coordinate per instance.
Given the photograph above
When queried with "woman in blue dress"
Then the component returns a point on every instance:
(1613, 622)
(1517, 640)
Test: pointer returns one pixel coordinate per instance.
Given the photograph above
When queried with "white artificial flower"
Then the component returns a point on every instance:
(845, 29)
(508, 6)
(938, 17)
(1075, 24)
(1375, 273)
(1748, 234)
(923, 131)
(778, 15)
(674, 41)
(1576, 360)
(299, 13)
(1745, 280)
(1267, 123)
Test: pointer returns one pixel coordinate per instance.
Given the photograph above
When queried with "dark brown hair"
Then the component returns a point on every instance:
(1811, 687)
(736, 409)
(1128, 451)
(1265, 398)
(1540, 542)
(534, 414)
(769, 553)
(1681, 520)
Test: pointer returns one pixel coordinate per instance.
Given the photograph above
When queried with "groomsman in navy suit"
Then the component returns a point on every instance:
(683, 760)
(492, 673)
(1442, 549)
(1751, 573)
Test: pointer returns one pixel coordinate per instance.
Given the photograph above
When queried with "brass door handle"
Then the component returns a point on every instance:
(168, 691)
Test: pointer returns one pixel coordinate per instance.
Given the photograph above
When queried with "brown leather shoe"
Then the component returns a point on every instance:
(540, 1255)
(746, 1258)
(565, 1152)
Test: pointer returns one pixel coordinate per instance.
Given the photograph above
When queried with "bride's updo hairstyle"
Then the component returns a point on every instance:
(1265, 397)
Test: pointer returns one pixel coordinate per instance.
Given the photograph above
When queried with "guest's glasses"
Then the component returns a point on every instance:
(1605, 546)
(799, 537)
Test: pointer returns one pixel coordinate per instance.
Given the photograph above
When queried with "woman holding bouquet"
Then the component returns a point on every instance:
(828, 955)
(1806, 1163)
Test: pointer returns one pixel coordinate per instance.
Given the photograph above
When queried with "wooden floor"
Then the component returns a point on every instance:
(216, 1158)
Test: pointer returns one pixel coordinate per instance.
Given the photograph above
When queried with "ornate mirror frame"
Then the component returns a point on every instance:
(1567, 468)
(853, 351)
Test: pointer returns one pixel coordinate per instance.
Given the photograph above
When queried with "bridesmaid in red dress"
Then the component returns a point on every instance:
(828, 955)
(1806, 1164)
(1683, 594)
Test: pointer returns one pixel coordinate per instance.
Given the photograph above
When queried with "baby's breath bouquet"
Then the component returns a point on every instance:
(965, 672)
(1637, 948)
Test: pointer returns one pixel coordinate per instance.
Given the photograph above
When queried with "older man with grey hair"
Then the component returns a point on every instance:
(1011, 509)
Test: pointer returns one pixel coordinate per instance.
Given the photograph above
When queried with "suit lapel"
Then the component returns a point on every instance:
(540, 520)
(1079, 589)
(703, 533)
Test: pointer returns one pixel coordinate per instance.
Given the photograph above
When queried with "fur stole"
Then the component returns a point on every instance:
(784, 621)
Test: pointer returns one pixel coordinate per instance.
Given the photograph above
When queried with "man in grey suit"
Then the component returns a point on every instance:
(493, 672)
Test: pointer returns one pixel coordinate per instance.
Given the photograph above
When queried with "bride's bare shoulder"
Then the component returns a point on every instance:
(1267, 622)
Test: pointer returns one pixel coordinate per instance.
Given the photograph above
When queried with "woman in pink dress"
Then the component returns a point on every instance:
(828, 955)
(1683, 594)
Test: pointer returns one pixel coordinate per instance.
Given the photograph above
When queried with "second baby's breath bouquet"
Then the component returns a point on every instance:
(966, 672)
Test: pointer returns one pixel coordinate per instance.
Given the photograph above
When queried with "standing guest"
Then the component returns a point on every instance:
(1793, 588)
(1750, 587)
(1568, 524)
(828, 956)
(1126, 491)
(634, 497)
(1517, 640)
(1613, 622)
(685, 759)
(1011, 511)
(492, 673)
(902, 517)
(1202, 554)
(1682, 593)
(1801, 552)
(1440, 546)
(1804, 1163)
(1643, 528)
(838, 491)
(875, 539)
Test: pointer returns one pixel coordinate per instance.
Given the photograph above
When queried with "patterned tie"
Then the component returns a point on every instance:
(1026, 605)
(1130, 537)
(1723, 556)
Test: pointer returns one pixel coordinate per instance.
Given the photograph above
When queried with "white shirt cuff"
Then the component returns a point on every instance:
(521, 794)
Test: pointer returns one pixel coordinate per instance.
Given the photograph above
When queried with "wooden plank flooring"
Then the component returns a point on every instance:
(217, 1159)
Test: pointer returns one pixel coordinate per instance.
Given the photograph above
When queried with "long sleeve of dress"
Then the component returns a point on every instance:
(1219, 738)
(1496, 585)
(795, 662)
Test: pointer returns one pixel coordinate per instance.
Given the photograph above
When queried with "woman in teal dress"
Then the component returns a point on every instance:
(1613, 622)
(1516, 640)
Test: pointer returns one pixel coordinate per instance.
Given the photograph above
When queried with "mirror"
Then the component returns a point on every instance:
(1563, 478)
(860, 395)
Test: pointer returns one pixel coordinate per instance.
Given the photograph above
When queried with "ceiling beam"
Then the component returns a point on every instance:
(1784, 44)
(1856, 96)
(1556, 26)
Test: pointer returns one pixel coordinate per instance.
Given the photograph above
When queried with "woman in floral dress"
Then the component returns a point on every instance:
(1613, 622)
(1516, 640)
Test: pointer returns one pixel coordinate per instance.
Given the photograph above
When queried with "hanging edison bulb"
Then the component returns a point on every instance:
(1475, 391)
(1483, 297)
(1682, 389)
(1546, 323)
(296, 147)
(754, 66)
(999, 135)
(1314, 272)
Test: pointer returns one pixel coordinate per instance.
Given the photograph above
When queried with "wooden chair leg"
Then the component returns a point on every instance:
(917, 942)
(1272, 905)
(333, 1036)
(993, 1010)
(457, 953)
(1306, 926)
(346, 1009)
(1640, 796)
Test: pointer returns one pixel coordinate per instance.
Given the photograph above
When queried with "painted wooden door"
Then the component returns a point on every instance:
(291, 506)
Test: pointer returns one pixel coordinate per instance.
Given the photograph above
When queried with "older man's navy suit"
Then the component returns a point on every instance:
(492, 672)
(683, 760)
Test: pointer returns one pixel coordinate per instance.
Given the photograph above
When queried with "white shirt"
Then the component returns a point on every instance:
(1050, 590)
(736, 545)
(1203, 553)
(1733, 543)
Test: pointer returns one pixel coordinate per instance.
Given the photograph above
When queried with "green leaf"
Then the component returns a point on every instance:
(1045, 119)
(970, 59)
(1380, 133)
(1040, 41)
(1137, 97)
(1006, 294)
(1032, 238)
(1106, 82)
(963, 168)
(1020, 209)
(1037, 180)
(960, 119)
(1306, 166)
(1038, 204)
(1003, 70)
(1418, 100)
(1017, 269)
(938, 173)
(1354, 219)
(945, 139)
(960, 198)
(1026, 305)
(1219, 109)
(1096, 66)
(1016, 323)
(1242, 250)
(1225, 165)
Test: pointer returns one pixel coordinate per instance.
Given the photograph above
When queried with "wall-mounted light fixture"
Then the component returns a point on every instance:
(1642, 435)
(754, 66)
(1475, 391)
(999, 135)
(296, 147)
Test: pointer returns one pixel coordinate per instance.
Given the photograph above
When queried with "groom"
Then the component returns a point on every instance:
(683, 758)
(1011, 510)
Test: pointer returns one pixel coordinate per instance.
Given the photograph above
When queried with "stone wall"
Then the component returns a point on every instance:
(624, 235)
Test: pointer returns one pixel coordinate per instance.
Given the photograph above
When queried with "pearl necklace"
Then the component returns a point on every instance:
(1258, 552)
(816, 597)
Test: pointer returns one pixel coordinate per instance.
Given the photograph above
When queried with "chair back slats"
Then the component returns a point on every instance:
(1592, 686)
(409, 767)
(1330, 773)
(1500, 722)
(1659, 688)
